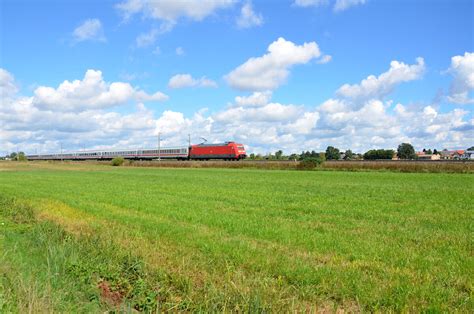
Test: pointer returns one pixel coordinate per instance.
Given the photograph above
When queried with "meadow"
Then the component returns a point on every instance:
(90, 238)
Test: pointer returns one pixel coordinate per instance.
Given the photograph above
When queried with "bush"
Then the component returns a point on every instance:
(375, 154)
(117, 161)
(309, 163)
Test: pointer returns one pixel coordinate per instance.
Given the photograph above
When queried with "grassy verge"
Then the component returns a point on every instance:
(44, 268)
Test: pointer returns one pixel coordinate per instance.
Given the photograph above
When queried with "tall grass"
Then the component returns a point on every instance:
(403, 166)
(343, 165)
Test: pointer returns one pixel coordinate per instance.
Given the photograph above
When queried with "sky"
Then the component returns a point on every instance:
(292, 75)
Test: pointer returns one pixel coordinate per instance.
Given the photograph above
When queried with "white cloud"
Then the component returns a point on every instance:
(324, 59)
(180, 51)
(379, 87)
(342, 5)
(339, 5)
(462, 69)
(263, 126)
(8, 87)
(149, 38)
(272, 112)
(248, 17)
(255, 100)
(91, 92)
(304, 124)
(90, 29)
(272, 69)
(172, 10)
(310, 3)
(186, 80)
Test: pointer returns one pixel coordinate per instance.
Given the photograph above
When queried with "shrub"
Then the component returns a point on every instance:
(375, 154)
(117, 161)
(309, 163)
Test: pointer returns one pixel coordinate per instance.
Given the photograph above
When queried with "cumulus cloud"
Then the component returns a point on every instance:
(272, 69)
(32, 127)
(172, 10)
(262, 124)
(256, 99)
(462, 69)
(186, 80)
(91, 92)
(342, 5)
(272, 112)
(382, 85)
(90, 29)
(248, 17)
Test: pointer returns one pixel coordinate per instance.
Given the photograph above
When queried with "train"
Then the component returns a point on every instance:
(222, 151)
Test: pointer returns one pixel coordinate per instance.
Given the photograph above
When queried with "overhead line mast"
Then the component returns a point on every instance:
(159, 146)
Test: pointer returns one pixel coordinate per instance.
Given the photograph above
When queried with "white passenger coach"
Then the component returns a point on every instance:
(165, 152)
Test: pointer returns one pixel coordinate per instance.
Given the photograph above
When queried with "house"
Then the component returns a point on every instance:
(452, 154)
(425, 156)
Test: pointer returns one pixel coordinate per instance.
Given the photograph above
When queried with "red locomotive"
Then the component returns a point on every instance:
(226, 151)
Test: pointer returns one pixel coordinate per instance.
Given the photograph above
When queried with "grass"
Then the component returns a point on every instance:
(234, 239)
(440, 166)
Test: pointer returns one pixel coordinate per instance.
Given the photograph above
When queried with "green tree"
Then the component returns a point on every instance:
(279, 154)
(332, 153)
(406, 151)
(348, 155)
(21, 157)
(471, 148)
(375, 154)
(252, 156)
(294, 157)
(435, 151)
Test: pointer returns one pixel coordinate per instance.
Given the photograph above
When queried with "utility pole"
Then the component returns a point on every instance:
(159, 146)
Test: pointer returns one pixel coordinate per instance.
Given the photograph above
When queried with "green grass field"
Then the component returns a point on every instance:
(89, 238)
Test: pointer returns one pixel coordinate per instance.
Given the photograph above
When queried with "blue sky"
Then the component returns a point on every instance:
(290, 99)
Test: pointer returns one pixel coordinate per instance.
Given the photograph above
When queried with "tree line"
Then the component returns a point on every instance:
(20, 156)
(404, 151)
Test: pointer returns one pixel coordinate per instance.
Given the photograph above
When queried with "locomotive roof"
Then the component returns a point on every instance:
(217, 144)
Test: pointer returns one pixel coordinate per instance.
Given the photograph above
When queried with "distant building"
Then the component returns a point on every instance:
(425, 156)
(453, 154)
